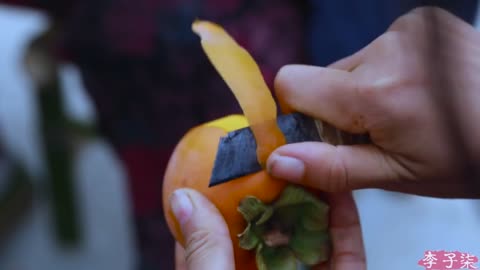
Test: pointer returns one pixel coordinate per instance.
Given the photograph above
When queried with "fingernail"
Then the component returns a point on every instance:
(181, 205)
(284, 167)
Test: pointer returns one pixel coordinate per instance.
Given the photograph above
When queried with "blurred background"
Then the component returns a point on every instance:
(95, 94)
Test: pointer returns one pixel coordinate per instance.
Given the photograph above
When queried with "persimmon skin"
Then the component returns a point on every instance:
(190, 166)
(244, 78)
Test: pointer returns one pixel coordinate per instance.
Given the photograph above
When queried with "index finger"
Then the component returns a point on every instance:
(327, 94)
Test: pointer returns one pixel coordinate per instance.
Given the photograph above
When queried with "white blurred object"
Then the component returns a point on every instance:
(399, 228)
(100, 182)
(107, 239)
(17, 101)
(78, 105)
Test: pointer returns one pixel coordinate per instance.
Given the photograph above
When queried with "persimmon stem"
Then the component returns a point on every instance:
(292, 229)
(276, 238)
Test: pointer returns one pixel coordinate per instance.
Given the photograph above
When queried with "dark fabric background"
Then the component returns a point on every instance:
(339, 28)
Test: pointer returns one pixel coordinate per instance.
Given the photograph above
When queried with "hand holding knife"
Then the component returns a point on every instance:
(236, 155)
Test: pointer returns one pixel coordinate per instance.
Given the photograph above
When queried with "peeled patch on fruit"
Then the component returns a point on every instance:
(190, 166)
(273, 225)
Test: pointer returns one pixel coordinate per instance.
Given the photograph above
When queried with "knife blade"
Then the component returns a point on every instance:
(236, 154)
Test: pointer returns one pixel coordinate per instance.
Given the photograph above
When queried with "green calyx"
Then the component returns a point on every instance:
(287, 233)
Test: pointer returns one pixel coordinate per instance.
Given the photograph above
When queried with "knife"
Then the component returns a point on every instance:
(236, 154)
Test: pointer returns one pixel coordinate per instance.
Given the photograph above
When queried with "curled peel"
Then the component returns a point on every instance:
(243, 76)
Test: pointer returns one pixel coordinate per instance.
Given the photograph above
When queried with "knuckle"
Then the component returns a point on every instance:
(391, 42)
(422, 11)
(198, 245)
(377, 89)
(420, 19)
(337, 173)
(409, 21)
(390, 45)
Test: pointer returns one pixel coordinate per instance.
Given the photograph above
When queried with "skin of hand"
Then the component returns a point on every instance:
(208, 244)
(391, 90)
(383, 90)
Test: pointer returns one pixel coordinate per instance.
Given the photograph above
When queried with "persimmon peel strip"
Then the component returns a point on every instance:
(242, 75)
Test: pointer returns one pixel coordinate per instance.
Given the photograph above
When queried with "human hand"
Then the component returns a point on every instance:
(208, 244)
(390, 90)
(207, 239)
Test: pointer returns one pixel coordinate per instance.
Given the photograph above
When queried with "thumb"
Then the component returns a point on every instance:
(333, 168)
(207, 239)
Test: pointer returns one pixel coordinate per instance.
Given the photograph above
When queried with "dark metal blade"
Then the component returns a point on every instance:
(236, 155)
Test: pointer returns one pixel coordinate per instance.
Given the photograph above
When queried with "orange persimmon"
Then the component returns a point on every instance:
(191, 166)
(306, 227)
(273, 225)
